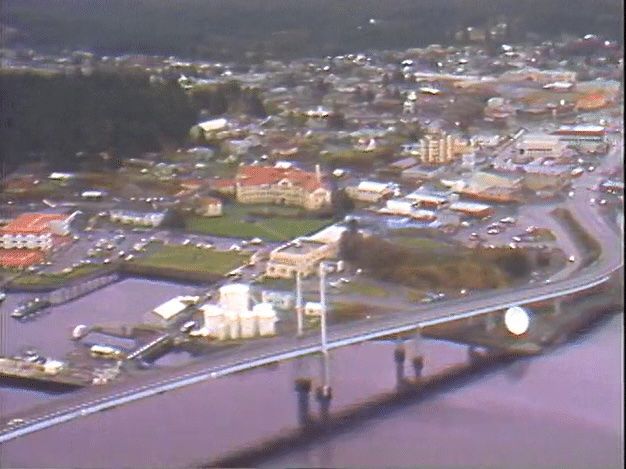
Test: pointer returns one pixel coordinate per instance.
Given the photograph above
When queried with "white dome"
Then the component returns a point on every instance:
(265, 310)
(516, 320)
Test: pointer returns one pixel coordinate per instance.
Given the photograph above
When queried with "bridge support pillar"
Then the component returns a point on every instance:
(558, 306)
(324, 395)
(399, 355)
(473, 354)
(418, 365)
(303, 388)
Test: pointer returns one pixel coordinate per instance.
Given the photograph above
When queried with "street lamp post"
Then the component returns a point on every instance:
(322, 273)
(299, 302)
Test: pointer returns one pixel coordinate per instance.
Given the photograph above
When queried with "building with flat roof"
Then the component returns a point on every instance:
(299, 256)
(538, 145)
(472, 209)
(369, 191)
(131, 217)
(580, 134)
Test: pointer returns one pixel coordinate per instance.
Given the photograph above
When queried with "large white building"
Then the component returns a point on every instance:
(540, 146)
(34, 231)
(129, 217)
(283, 186)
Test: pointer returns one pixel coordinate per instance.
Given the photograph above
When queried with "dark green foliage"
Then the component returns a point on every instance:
(249, 29)
(57, 116)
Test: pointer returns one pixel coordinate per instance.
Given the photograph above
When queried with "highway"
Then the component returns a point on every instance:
(93, 400)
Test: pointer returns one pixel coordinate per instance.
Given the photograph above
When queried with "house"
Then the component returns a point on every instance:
(290, 186)
(208, 206)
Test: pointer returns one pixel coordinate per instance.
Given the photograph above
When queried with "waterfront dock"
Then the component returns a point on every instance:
(17, 372)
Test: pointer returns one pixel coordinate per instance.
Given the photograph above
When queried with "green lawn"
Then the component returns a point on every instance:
(234, 224)
(365, 288)
(419, 242)
(54, 279)
(191, 258)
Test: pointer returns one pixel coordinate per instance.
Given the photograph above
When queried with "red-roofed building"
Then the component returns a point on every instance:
(34, 231)
(20, 258)
(285, 186)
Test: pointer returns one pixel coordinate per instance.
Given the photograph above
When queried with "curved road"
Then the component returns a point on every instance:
(91, 400)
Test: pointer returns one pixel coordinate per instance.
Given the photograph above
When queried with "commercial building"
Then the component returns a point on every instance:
(472, 209)
(129, 217)
(370, 191)
(299, 256)
(581, 134)
(539, 146)
(428, 199)
(283, 186)
(34, 231)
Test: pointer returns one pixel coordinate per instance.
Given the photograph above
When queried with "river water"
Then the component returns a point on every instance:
(560, 410)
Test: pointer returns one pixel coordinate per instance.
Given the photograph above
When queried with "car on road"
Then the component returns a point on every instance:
(188, 326)
(602, 202)
(508, 220)
(473, 236)
(493, 231)
(14, 422)
(571, 259)
(517, 239)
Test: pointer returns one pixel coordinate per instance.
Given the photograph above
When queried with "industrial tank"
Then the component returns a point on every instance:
(235, 297)
(266, 315)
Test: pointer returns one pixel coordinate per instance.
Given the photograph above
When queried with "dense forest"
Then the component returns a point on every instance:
(122, 114)
(254, 29)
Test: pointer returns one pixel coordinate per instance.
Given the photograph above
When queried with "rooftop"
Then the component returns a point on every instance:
(32, 223)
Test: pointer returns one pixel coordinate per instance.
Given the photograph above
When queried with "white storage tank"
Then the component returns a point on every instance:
(213, 318)
(248, 323)
(266, 315)
(231, 321)
(235, 297)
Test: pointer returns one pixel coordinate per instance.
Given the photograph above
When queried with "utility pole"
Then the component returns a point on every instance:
(322, 273)
(299, 301)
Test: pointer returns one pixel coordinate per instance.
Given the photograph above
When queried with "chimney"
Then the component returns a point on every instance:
(318, 173)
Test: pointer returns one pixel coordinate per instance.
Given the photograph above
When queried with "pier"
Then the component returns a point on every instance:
(19, 372)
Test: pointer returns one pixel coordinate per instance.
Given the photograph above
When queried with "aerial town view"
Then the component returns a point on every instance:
(333, 233)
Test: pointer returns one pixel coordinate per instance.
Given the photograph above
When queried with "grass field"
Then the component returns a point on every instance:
(191, 258)
(237, 223)
(365, 288)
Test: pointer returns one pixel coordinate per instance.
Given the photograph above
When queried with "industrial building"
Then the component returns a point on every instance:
(172, 308)
(232, 318)
(538, 145)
